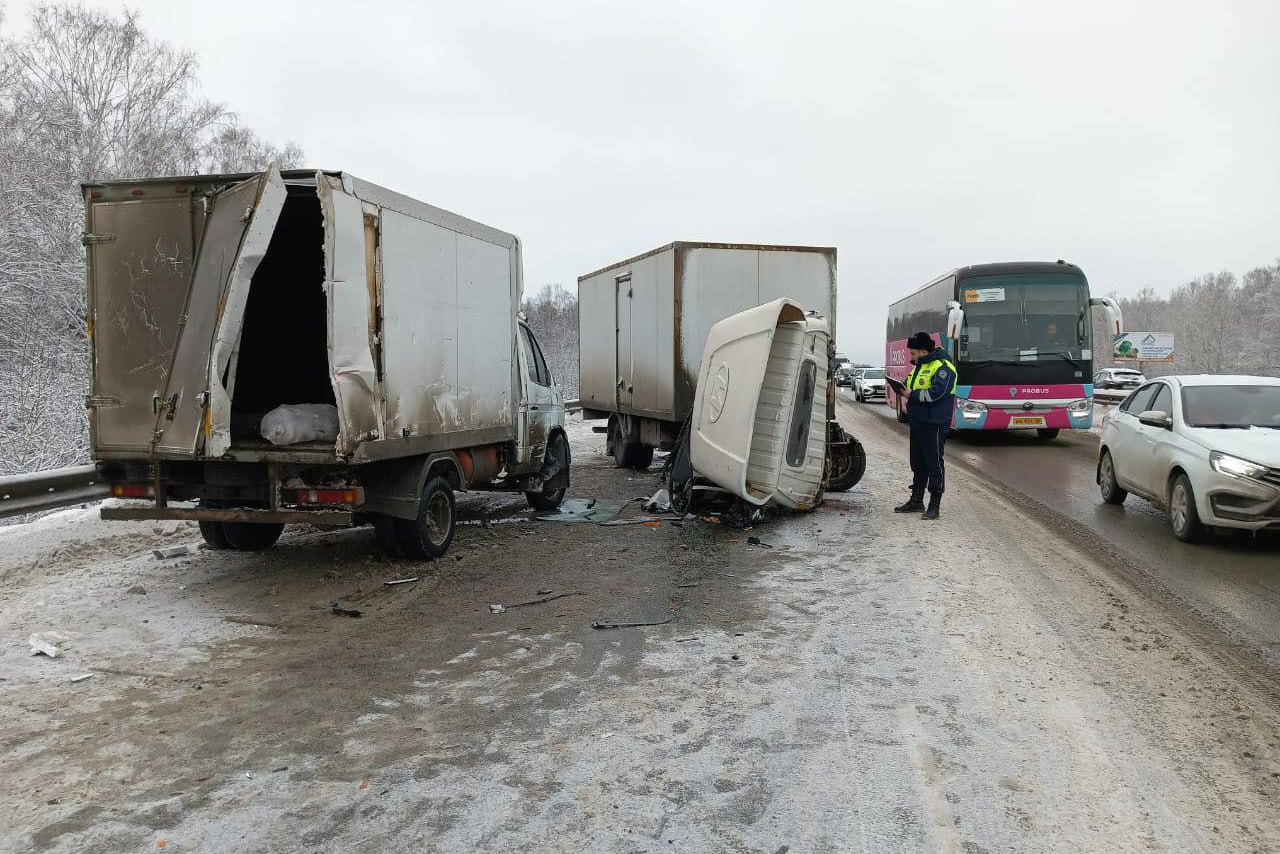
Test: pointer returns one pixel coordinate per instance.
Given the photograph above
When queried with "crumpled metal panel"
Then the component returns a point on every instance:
(351, 290)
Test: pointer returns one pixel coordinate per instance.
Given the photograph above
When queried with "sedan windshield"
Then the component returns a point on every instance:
(1231, 406)
(873, 375)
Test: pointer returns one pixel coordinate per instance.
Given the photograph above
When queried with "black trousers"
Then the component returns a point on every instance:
(927, 444)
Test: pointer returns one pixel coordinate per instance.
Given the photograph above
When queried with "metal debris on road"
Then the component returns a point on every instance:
(392, 582)
(609, 625)
(343, 612)
(756, 541)
(583, 510)
(660, 501)
(502, 609)
(48, 643)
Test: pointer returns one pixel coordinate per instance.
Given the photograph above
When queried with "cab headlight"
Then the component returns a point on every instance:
(1080, 406)
(1234, 466)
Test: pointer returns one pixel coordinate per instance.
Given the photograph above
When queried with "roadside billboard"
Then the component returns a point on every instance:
(1143, 347)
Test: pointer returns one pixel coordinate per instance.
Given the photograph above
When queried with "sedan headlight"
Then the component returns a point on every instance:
(1234, 466)
(1080, 406)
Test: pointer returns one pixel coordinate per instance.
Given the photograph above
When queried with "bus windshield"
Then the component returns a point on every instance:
(1025, 318)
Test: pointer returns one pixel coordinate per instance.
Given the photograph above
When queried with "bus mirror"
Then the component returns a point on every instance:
(955, 320)
(1115, 317)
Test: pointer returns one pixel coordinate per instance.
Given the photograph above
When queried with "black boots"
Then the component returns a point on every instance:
(914, 505)
(935, 504)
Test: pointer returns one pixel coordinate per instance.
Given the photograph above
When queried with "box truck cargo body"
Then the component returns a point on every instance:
(217, 300)
(643, 323)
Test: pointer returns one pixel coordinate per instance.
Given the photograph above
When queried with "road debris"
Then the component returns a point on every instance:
(638, 520)
(660, 501)
(344, 612)
(51, 644)
(757, 542)
(601, 624)
(392, 582)
(502, 609)
(174, 551)
(583, 510)
(81, 677)
(137, 590)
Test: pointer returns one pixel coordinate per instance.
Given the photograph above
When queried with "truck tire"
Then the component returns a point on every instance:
(215, 537)
(640, 456)
(251, 536)
(549, 499)
(429, 535)
(384, 532)
(847, 468)
(628, 455)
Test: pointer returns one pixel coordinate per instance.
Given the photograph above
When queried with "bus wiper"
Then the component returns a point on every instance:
(988, 362)
(1065, 358)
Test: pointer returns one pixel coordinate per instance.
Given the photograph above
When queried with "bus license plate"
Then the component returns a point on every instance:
(1026, 421)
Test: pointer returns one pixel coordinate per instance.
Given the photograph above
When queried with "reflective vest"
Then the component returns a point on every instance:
(921, 377)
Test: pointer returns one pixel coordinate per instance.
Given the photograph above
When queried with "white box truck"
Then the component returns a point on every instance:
(215, 301)
(643, 324)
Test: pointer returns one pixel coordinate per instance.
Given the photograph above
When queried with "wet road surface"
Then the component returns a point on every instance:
(1230, 583)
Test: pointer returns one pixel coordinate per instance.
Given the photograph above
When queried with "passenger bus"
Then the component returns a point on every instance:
(1021, 337)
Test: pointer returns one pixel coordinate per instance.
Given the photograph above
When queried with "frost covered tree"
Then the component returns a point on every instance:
(84, 95)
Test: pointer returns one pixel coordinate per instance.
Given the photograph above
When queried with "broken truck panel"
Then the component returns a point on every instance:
(237, 230)
(759, 420)
(350, 273)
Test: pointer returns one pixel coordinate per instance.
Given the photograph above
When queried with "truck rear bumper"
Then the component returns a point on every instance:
(193, 514)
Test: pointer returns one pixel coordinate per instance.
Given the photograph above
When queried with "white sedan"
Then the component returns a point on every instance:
(1206, 448)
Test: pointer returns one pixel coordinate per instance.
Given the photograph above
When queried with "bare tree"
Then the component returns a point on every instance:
(84, 95)
(552, 314)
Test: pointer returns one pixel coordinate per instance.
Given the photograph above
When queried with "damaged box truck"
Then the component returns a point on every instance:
(307, 347)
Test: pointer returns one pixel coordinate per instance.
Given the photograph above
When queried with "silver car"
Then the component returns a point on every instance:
(869, 384)
(1206, 448)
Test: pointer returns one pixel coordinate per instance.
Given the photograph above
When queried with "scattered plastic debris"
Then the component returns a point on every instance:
(48, 643)
(653, 523)
(344, 612)
(583, 510)
(756, 541)
(392, 582)
(497, 609)
(660, 502)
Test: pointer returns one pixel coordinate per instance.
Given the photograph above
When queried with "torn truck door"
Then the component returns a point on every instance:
(759, 415)
(350, 284)
(194, 412)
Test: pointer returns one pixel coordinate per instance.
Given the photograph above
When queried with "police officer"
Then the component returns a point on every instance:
(931, 400)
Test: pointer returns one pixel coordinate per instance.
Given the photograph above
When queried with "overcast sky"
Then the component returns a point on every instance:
(1140, 140)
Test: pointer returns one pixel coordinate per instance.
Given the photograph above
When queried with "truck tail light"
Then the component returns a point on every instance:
(132, 490)
(331, 497)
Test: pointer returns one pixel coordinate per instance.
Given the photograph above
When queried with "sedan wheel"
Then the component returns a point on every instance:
(1111, 491)
(1182, 511)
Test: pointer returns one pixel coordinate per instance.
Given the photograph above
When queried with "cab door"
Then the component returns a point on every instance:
(541, 407)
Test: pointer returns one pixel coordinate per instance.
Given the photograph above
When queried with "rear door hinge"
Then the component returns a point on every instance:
(96, 401)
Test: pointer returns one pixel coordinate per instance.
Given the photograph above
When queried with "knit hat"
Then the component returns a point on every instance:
(921, 341)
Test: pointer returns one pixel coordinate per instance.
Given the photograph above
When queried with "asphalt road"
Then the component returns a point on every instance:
(1231, 584)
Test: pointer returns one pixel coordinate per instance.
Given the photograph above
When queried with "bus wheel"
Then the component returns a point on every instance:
(1047, 433)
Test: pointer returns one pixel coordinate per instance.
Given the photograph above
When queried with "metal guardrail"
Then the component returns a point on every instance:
(46, 490)
(1106, 397)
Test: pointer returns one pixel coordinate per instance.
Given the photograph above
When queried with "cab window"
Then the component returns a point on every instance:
(1163, 400)
(1137, 402)
(535, 365)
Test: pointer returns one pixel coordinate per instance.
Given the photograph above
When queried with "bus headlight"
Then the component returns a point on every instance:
(972, 409)
(1080, 407)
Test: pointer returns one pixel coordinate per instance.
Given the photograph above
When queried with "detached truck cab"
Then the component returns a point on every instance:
(215, 300)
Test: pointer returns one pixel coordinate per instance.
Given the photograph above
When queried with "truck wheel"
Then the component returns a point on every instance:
(429, 535)
(384, 532)
(549, 499)
(215, 537)
(251, 536)
(847, 467)
(640, 456)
